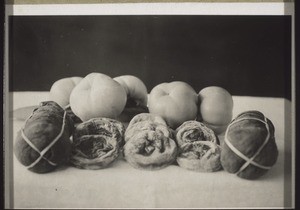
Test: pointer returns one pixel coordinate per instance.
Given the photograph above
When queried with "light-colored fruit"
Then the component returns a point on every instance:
(135, 88)
(216, 106)
(176, 102)
(98, 95)
(61, 90)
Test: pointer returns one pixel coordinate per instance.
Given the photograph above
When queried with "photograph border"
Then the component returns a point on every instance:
(48, 7)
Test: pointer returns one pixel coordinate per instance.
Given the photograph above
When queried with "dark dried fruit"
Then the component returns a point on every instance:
(131, 109)
(198, 148)
(44, 142)
(75, 118)
(249, 149)
(97, 143)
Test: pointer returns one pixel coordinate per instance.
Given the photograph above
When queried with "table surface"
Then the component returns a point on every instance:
(121, 186)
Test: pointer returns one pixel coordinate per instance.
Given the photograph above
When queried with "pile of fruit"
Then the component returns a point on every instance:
(89, 122)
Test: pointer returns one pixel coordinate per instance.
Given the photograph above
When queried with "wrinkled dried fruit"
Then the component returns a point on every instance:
(192, 130)
(249, 149)
(146, 117)
(149, 142)
(146, 126)
(44, 142)
(97, 143)
(150, 150)
(198, 147)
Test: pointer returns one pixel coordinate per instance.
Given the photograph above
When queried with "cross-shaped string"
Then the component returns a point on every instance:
(46, 149)
(240, 154)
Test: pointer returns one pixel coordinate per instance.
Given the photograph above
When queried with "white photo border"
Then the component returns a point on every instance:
(183, 8)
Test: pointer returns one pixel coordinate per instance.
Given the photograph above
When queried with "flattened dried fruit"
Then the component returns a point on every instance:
(44, 142)
(146, 126)
(200, 156)
(150, 150)
(249, 149)
(97, 143)
(192, 130)
(198, 148)
(148, 117)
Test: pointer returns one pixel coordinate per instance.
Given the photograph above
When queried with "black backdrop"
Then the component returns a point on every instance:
(247, 55)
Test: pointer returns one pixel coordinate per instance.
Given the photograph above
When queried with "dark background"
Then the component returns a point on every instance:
(247, 55)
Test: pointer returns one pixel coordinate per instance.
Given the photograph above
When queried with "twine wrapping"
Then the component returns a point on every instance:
(240, 154)
(46, 149)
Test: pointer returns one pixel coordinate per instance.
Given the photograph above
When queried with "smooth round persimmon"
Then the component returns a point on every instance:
(98, 95)
(216, 107)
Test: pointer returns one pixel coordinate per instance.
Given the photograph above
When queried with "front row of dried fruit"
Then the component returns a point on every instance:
(91, 122)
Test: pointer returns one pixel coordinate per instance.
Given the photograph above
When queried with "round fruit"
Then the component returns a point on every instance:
(61, 90)
(98, 95)
(176, 102)
(135, 88)
(249, 149)
(44, 144)
(216, 106)
(137, 97)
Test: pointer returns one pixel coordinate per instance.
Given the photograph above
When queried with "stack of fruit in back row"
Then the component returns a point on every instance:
(186, 128)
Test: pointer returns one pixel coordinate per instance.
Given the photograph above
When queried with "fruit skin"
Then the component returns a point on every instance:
(135, 88)
(248, 133)
(137, 97)
(176, 102)
(216, 107)
(98, 95)
(97, 143)
(198, 147)
(61, 90)
(150, 150)
(42, 129)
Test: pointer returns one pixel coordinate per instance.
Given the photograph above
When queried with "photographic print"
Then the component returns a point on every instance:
(149, 105)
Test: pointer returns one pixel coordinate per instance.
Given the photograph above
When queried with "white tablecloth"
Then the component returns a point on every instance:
(121, 186)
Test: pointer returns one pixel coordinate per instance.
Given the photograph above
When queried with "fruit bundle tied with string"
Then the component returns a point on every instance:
(97, 143)
(44, 142)
(249, 149)
(198, 147)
